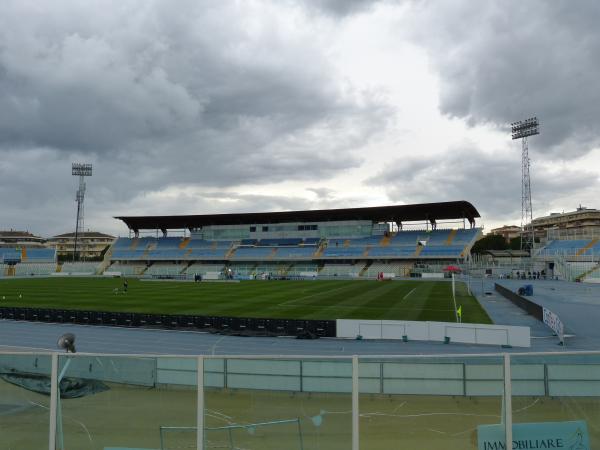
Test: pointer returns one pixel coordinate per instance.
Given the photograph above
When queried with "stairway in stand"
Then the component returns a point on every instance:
(451, 236)
(590, 244)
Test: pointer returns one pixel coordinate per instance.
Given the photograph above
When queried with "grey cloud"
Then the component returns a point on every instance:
(341, 7)
(504, 61)
(322, 193)
(254, 202)
(491, 182)
(74, 86)
(208, 202)
(158, 96)
(37, 191)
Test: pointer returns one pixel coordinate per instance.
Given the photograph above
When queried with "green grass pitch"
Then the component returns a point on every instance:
(311, 299)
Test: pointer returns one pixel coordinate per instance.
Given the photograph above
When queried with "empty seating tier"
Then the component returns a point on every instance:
(79, 268)
(347, 255)
(576, 247)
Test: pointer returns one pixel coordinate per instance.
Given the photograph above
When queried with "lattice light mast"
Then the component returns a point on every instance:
(81, 171)
(522, 130)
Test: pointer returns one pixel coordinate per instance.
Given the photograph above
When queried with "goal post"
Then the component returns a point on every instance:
(253, 436)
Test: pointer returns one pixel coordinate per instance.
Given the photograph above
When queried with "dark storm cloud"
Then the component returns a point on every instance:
(491, 182)
(33, 184)
(504, 61)
(149, 74)
(155, 95)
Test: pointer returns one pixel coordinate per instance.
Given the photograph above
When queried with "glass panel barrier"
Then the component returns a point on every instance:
(556, 401)
(24, 400)
(126, 402)
(120, 402)
(433, 403)
(269, 404)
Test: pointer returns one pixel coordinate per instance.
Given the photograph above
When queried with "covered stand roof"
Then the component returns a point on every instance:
(399, 213)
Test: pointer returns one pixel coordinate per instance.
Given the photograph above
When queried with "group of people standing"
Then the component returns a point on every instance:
(531, 275)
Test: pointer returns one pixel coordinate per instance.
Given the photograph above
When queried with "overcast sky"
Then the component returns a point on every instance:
(195, 107)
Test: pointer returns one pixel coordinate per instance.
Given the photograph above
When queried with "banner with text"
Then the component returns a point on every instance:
(556, 435)
(554, 322)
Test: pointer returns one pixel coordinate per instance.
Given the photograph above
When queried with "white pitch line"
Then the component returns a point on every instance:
(309, 296)
(412, 290)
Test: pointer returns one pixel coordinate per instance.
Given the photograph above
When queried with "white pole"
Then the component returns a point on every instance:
(59, 422)
(200, 405)
(454, 298)
(469, 283)
(453, 288)
(53, 402)
(482, 275)
(507, 416)
(355, 411)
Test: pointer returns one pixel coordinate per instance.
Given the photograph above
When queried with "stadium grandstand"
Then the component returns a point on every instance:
(571, 257)
(567, 248)
(351, 242)
(441, 381)
(24, 254)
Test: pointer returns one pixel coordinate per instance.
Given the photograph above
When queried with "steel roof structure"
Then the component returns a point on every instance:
(431, 212)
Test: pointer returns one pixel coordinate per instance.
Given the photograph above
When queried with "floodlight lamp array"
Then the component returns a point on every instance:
(524, 128)
(83, 170)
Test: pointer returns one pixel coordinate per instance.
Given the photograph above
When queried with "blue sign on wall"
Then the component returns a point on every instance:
(527, 436)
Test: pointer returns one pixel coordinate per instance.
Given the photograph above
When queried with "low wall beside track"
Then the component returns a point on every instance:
(530, 307)
(467, 333)
(542, 314)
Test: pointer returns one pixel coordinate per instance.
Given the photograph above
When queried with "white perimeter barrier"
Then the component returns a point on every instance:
(75, 274)
(432, 275)
(211, 276)
(467, 333)
(309, 274)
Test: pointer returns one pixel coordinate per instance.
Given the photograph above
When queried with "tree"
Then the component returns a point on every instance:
(515, 243)
(489, 242)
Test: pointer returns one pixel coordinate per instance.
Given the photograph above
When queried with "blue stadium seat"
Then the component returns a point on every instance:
(449, 244)
(41, 255)
(286, 253)
(253, 253)
(311, 241)
(279, 242)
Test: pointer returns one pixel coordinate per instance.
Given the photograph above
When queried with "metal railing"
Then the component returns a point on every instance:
(561, 375)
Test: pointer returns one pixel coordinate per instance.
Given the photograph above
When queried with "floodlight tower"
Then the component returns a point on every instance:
(522, 130)
(81, 171)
